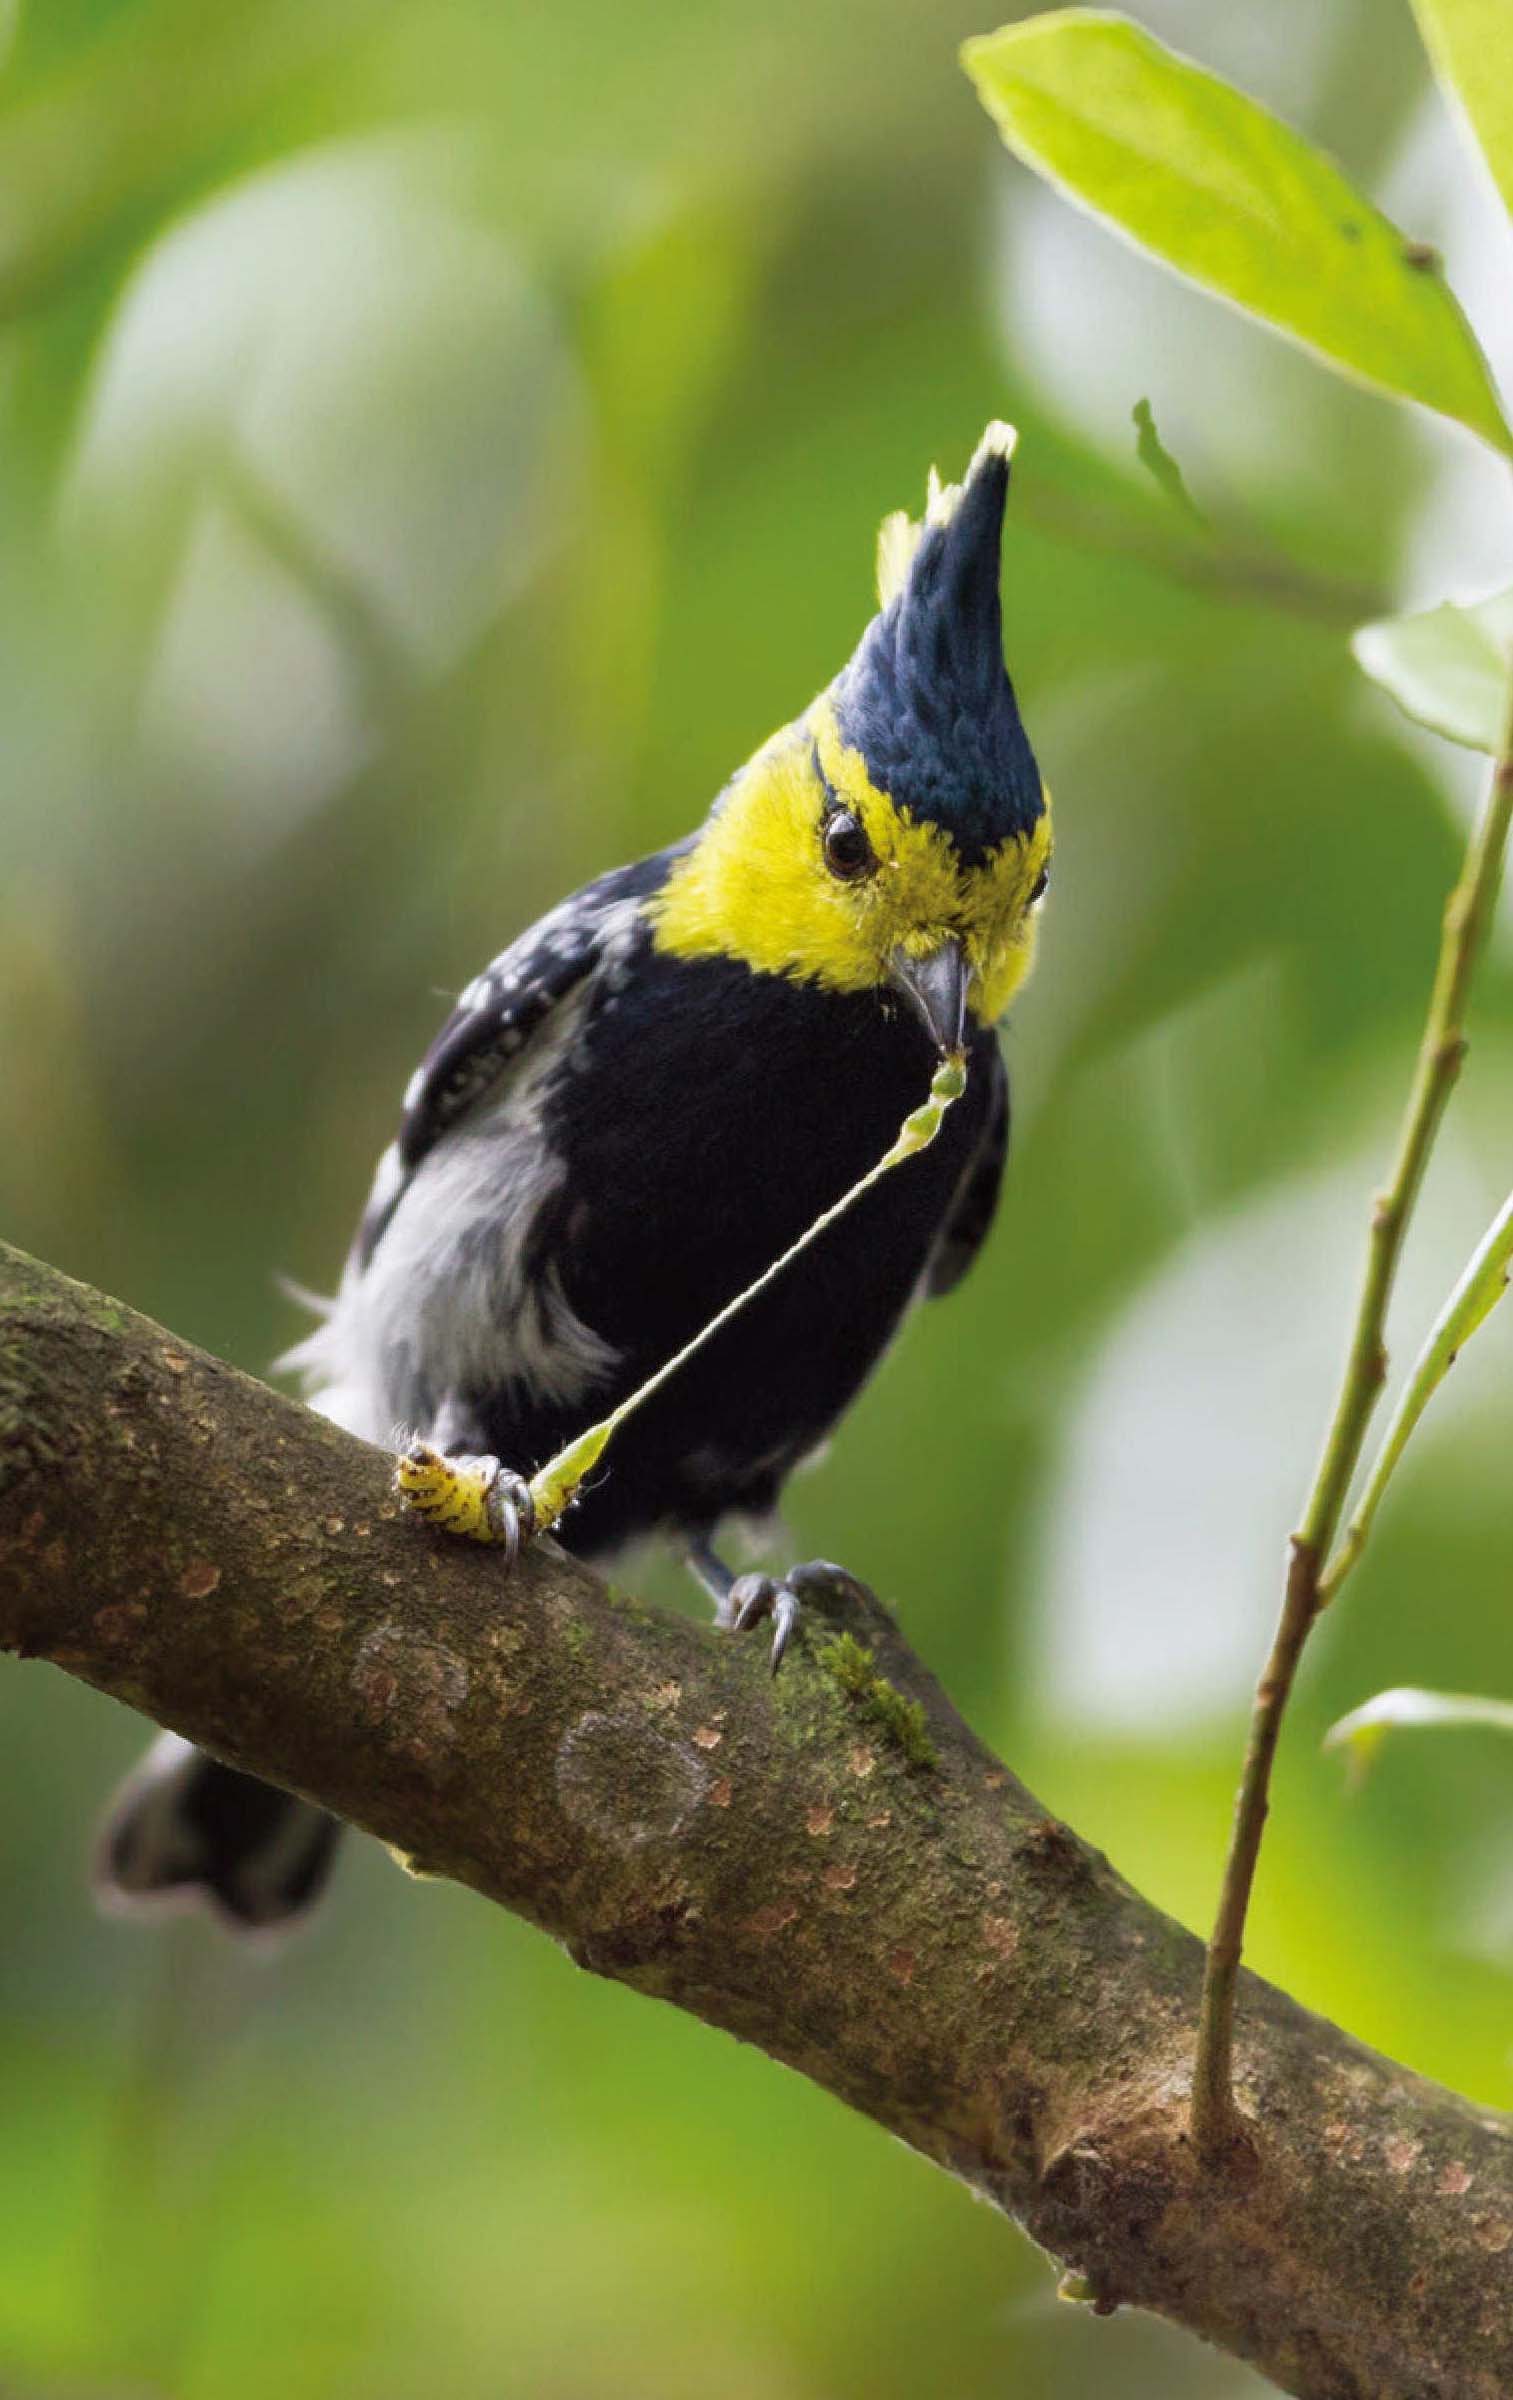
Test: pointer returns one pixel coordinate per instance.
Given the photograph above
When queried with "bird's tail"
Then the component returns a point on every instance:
(185, 1832)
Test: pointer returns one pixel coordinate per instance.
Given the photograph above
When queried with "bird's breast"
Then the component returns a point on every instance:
(710, 1114)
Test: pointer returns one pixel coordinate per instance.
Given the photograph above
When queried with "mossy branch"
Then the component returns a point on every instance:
(829, 1865)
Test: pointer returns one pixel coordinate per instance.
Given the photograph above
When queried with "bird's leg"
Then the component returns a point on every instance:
(463, 1490)
(742, 1601)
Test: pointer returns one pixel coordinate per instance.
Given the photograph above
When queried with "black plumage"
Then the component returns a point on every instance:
(706, 1115)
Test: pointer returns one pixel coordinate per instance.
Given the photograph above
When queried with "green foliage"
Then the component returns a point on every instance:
(1361, 1734)
(879, 1701)
(1204, 178)
(1449, 668)
(1471, 44)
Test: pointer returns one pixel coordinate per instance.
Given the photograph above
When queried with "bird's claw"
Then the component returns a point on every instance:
(476, 1498)
(753, 1598)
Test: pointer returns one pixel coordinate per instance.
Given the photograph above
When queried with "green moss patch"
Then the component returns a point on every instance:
(855, 1670)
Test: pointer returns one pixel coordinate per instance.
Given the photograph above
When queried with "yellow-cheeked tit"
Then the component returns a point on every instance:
(643, 1101)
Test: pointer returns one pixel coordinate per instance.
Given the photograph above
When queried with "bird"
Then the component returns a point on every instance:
(633, 1112)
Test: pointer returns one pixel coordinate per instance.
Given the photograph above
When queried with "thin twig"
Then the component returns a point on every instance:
(1215, 2119)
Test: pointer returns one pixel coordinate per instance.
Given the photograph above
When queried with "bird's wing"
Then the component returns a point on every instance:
(499, 1025)
(976, 1200)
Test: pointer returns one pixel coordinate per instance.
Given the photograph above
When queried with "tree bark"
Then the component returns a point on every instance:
(893, 1915)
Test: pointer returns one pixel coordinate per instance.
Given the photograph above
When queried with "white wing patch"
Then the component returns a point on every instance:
(448, 1289)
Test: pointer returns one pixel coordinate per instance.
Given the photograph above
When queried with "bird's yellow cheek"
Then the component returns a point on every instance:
(1003, 971)
(755, 886)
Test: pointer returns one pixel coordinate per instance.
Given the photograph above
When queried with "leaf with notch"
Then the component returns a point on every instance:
(1192, 170)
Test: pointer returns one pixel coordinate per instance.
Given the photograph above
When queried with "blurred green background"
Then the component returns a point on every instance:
(437, 442)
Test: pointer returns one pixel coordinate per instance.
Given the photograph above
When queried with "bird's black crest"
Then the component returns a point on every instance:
(926, 699)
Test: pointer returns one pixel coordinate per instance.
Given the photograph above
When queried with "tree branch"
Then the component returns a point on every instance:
(920, 1939)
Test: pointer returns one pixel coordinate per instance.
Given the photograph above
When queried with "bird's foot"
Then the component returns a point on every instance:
(476, 1498)
(751, 1599)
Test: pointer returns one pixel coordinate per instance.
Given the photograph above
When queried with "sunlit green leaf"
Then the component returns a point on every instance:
(1362, 1733)
(1468, 1307)
(1450, 668)
(1471, 45)
(1194, 171)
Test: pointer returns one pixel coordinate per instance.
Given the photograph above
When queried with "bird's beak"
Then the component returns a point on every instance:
(935, 987)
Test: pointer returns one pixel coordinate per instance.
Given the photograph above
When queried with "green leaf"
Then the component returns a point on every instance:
(1206, 179)
(1450, 668)
(1470, 43)
(1363, 1732)
(1468, 1307)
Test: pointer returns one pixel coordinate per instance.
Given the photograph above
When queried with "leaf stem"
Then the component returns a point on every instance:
(1215, 2118)
(1475, 1296)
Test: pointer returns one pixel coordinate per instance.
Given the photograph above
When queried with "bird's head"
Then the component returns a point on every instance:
(897, 836)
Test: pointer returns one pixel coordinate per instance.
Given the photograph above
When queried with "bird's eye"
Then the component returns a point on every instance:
(1041, 886)
(848, 853)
